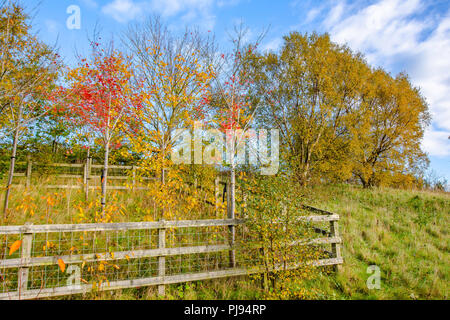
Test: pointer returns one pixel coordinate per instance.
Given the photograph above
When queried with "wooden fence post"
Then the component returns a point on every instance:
(161, 260)
(29, 164)
(27, 242)
(217, 193)
(87, 177)
(335, 247)
(232, 228)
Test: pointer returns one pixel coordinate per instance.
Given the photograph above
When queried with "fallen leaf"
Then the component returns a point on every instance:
(61, 265)
(15, 246)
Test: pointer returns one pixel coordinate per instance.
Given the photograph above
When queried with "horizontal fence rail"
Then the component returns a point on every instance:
(86, 176)
(55, 260)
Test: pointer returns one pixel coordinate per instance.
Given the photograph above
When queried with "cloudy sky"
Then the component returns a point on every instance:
(398, 35)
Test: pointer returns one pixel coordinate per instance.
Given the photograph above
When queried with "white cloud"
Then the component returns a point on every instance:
(431, 72)
(225, 3)
(398, 34)
(123, 10)
(198, 11)
(273, 45)
(335, 14)
(90, 3)
(437, 143)
(383, 29)
(312, 14)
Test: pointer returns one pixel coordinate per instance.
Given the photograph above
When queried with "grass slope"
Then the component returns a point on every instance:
(404, 233)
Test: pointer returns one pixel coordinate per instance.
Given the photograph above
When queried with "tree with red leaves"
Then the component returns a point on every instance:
(233, 100)
(102, 98)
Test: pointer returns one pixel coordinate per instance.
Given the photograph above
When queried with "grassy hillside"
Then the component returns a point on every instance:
(404, 233)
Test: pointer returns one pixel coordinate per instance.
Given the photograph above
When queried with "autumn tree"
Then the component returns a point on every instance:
(337, 117)
(387, 138)
(232, 106)
(310, 91)
(102, 98)
(29, 70)
(175, 73)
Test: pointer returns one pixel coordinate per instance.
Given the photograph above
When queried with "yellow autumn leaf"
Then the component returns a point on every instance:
(15, 246)
(61, 265)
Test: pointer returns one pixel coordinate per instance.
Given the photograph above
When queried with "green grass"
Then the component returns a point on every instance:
(404, 233)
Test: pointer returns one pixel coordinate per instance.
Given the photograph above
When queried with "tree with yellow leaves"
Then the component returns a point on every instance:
(26, 64)
(387, 138)
(309, 92)
(175, 72)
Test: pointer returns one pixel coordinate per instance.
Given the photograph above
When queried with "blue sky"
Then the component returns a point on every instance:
(398, 35)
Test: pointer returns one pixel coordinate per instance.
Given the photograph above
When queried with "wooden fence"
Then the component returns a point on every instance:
(157, 241)
(85, 179)
(34, 271)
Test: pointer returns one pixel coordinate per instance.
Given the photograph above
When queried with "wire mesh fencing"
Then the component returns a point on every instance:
(38, 261)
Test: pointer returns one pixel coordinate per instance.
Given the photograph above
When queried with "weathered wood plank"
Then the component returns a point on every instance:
(119, 226)
(64, 186)
(142, 225)
(106, 256)
(100, 166)
(333, 217)
(161, 260)
(19, 174)
(22, 277)
(85, 288)
(318, 210)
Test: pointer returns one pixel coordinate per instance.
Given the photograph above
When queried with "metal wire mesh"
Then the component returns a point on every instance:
(59, 259)
(107, 256)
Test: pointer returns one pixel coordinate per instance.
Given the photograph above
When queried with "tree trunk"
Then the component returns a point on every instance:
(163, 172)
(231, 213)
(364, 182)
(87, 174)
(105, 176)
(11, 172)
(231, 206)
